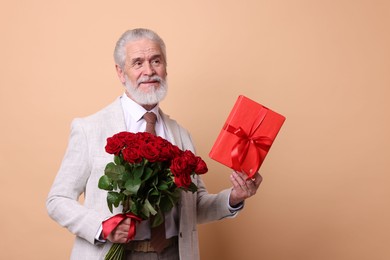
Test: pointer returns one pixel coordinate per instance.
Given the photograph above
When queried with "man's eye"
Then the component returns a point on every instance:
(156, 62)
(137, 64)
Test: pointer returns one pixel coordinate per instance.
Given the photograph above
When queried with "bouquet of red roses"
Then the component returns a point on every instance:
(145, 177)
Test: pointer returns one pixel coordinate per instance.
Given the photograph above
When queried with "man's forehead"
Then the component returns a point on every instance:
(143, 47)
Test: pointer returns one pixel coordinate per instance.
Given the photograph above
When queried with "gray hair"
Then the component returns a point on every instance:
(134, 35)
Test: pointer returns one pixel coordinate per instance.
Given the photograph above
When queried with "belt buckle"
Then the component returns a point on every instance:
(146, 246)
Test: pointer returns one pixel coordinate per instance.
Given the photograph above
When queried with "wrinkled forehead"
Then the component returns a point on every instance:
(142, 48)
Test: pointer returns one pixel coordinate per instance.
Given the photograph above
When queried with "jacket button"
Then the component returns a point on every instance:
(181, 235)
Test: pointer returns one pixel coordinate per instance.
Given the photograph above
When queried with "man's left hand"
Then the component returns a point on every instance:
(243, 187)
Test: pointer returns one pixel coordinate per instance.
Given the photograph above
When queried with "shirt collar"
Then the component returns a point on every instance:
(135, 110)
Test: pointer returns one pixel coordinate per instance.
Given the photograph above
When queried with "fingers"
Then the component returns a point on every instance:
(126, 222)
(241, 181)
(120, 233)
(241, 185)
(237, 180)
(257, 179)
(250, 183)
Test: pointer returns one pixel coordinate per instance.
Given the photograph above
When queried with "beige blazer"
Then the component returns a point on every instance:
(84, 163)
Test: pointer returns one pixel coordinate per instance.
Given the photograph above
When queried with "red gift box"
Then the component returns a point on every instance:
(247, 136)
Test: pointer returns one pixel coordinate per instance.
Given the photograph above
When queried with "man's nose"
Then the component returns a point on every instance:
(148, 69)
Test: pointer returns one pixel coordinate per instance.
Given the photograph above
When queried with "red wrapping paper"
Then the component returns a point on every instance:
(110, 224)
(246, 136)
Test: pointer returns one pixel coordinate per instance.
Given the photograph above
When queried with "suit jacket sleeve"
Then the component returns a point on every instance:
(62, 203)
(212, 207)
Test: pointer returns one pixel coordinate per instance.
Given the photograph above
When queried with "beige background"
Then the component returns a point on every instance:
(325, 65)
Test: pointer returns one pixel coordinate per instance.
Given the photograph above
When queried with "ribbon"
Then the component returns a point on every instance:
(240, 149)
(110, 224)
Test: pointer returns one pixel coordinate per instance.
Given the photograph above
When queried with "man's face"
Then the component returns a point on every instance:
(145, 68)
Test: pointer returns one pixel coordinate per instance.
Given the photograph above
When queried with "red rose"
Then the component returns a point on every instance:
(190, 159)
(181, 170)
(130, 139)
(145, 137)
(165, 153)
(183, 181)
(131, 155)
(167, 150)
(150, 152)
(201, 166)
(178, 166)
(114, 145)
(175, 151)
(119, 141)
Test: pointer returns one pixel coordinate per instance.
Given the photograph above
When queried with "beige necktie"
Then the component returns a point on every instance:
(158, 240)
(150, 119)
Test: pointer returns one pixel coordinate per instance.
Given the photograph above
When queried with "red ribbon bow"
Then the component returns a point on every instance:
(110, 224)
(241, 147)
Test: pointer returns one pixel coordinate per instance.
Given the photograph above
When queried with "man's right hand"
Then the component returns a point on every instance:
(120, 233)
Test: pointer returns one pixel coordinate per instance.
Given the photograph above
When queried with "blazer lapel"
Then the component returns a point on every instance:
(173, 133)
(115, 120)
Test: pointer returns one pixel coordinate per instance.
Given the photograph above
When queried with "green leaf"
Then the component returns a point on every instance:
(114, 171)
(105, 183)
(154, 192)
(109, 204)
(114, 198)
(127, 193)
(125, 176)
(166, 203)
(147, 173)
(193, 188)
(148, 209)
(129, 167)
(172, 196)
(122, 179)
(132, 185)
(115, 184)
(158, 219)
(118, 160)
(134, 208)
(137, 172)
(163, 186)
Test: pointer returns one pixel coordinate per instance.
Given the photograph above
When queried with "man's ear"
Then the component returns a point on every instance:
(121, 74)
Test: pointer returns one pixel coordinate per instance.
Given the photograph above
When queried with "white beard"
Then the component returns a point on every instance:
(153, 96)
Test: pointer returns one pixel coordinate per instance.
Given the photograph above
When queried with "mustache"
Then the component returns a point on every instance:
(147, 79)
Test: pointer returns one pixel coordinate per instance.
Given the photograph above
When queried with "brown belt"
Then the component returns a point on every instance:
(146, 246)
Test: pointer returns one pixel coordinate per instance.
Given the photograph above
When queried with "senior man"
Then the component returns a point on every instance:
(141, 65)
